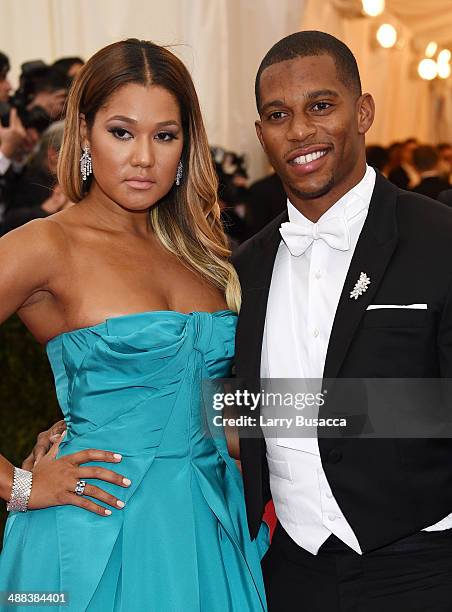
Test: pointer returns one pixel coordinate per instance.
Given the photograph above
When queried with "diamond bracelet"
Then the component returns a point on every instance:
(20, 493)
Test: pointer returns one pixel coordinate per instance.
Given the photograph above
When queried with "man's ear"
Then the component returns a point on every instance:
(84, 140)
(258, 126)
(366, 113)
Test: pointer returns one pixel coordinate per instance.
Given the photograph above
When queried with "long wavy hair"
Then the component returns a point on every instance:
(187, 220)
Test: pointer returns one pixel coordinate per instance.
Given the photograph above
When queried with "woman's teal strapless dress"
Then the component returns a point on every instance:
(181, 544)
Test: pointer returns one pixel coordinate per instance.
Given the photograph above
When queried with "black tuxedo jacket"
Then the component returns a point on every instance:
(386, 488)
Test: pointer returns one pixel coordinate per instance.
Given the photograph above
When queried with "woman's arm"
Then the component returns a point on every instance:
(31, 260)
(6, 478)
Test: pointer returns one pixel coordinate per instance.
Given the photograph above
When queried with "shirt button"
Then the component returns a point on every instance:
(331, 517)
(316, 333)
(329, 495)
(318, 275)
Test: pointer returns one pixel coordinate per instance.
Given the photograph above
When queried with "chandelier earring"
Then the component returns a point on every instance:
(86, 165)
(179, 173)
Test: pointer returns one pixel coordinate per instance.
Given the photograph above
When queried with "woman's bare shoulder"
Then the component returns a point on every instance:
(47, 235)
(39, 235)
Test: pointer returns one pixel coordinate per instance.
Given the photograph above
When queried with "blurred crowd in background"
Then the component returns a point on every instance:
(31, 132)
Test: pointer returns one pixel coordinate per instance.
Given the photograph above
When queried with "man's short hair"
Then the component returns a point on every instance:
(425, 158)
(4, 66)
(51, 79)
(64, 64)
(308, 43)
(39, 77)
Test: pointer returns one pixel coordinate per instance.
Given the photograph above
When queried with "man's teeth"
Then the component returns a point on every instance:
(305, 159)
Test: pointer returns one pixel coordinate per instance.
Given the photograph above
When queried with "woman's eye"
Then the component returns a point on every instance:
(277, 115)
(321, 106)
(165, 136)
(120, 133)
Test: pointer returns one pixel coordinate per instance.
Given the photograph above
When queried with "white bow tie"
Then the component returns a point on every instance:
(334, 231)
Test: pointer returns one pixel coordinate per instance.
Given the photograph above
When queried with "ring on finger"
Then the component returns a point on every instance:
(80, 487)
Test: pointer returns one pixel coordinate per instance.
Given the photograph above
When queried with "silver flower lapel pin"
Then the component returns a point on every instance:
(361, 286)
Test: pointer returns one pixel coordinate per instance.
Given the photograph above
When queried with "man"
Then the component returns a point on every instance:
(13, 138)
(15, 141)
(70, 66)
(445, 159)
(402, 173)
(47, 88)
(352, 512)
(36, 194)
(426, 162)
(5, 85)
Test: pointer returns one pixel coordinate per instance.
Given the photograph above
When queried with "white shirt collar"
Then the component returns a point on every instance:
(349, 206)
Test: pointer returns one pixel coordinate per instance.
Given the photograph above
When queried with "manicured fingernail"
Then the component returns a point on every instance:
(120, 503)
(117, 456)
(126, 481)
(64, 433)
(108, 512)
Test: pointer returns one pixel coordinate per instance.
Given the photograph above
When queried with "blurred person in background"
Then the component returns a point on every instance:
(232, 193)
(445, 159)
(266, 200)
(378, 157)
(70, 66)
(47, 88)
(16, 140)
(5, 85)
(37, 194)
(24, 115)
(426, 162)
(401, 171)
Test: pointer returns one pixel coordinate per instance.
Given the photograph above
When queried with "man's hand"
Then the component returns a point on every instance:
(43, 444)
(13, 139)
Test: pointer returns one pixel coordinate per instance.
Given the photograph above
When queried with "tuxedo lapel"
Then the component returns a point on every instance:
(255, 291)
(373, 252)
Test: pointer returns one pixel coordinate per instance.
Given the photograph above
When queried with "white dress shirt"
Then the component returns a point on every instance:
(5, 163)
(303, 298)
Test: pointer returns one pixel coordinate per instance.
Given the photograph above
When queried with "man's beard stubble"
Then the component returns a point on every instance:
(312, 195)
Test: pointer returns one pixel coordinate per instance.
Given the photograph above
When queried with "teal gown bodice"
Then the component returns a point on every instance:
(133, 385)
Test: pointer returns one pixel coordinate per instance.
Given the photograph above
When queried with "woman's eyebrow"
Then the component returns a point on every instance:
(122, 118)
(134, 121)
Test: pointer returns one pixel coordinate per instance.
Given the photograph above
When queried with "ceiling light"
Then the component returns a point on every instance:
(431, 49)
(387, 35)
(443, 70)
(373, 8)
(444, 56)
(427, 69)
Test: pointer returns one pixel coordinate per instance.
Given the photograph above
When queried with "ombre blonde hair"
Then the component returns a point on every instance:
(187, 220)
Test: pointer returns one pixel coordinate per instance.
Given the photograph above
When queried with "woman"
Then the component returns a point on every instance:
(132, 293)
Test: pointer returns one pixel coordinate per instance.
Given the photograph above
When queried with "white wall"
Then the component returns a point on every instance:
(221, 42)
